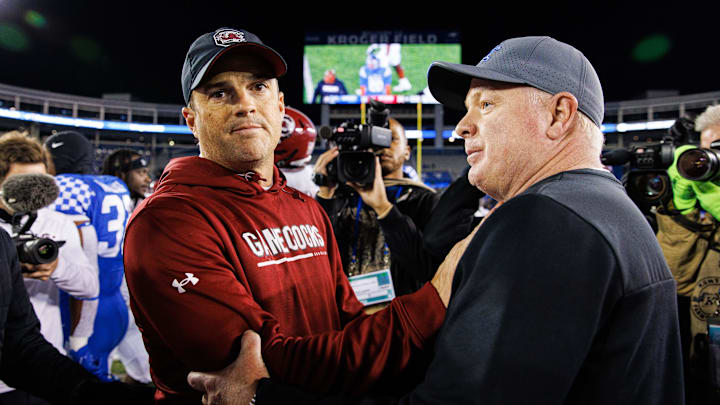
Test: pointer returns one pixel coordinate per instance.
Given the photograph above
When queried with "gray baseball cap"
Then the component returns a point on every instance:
(541, 62)
(208, 47)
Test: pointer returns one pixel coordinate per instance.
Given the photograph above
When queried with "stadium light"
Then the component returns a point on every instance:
(11, 113)
(95, 124)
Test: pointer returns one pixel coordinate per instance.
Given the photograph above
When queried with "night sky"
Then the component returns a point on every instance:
(94, 47)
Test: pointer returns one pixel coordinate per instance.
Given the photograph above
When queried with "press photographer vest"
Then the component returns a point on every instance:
(691, 246)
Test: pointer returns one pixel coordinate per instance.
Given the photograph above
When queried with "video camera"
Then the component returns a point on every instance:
(356, 144)
(647, 182)
(24, 194)
(33, 249)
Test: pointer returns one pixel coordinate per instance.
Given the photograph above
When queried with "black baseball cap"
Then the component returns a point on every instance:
(541, 62)
(208, 47)
(71, 152)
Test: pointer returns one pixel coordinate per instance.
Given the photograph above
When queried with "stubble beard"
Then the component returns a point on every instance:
(238, 156)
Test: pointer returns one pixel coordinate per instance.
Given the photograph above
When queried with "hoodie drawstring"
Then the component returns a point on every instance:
(294, 193)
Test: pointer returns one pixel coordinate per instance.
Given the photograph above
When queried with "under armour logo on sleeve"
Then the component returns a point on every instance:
(180, 284)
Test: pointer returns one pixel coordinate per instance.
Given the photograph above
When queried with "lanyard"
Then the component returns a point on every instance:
(353, 259)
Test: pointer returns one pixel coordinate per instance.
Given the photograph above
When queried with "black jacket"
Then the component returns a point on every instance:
(452, 219)
(28, 362)
(364, 236)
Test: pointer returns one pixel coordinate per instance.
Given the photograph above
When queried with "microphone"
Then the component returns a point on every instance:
(325, 132)
(24, 193)
(616, 157)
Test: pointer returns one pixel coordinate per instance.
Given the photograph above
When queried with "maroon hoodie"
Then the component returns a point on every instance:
(211, 254)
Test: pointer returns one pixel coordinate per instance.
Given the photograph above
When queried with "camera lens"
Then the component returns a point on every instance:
(651, 186)
(38, 251)
(358, 169)
(698, 164)
(655, 186)
(46, 250)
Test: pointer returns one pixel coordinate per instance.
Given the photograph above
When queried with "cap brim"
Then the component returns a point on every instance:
(276, 62)
(450, 82)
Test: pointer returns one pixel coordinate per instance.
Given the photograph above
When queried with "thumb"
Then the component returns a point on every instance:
(250, 341)
(198, 381)
(251, 356)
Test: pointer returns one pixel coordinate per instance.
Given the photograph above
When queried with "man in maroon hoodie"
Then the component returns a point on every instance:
(224, 246)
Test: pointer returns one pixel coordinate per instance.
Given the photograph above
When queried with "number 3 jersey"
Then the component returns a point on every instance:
(104, 202)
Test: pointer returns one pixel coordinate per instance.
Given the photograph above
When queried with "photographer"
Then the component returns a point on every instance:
(30, 363)
(689, 237)
(379, 226)
(70, 271)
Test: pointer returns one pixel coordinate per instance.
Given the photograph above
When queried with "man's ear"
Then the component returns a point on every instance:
(563, 107)
(281, 101)
(189, 116)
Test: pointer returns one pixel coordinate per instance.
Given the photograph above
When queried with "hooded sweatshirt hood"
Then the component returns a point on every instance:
(197, 171)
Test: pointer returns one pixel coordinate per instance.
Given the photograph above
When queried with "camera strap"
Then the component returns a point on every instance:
(356, 243)
(692, 225)
(357, 230)
(686, 223)
(19, 228)
(697, 228)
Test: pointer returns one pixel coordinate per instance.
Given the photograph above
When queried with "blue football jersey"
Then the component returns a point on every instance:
(375, 80)
(103, 201)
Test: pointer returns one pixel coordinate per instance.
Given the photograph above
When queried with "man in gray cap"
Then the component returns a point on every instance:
(562, 295)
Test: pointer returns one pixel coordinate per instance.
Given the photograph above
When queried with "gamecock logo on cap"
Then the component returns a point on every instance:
(228, 37)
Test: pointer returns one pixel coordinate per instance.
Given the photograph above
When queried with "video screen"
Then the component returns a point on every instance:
(390, 66)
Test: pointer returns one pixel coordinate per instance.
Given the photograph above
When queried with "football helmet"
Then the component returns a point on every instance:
(297, 140)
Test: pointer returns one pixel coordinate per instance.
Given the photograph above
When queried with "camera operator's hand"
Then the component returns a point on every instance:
(39, 271)
(375, 195)
(321, 167)
(684, 197)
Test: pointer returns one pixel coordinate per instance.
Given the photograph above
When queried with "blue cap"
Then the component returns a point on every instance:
(541, 62)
